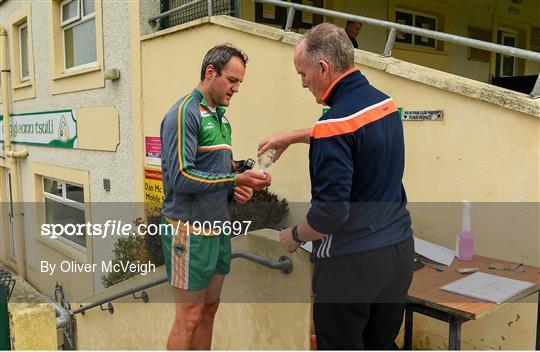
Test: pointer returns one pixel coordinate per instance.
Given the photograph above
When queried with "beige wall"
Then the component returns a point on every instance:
(481, 150)
(261, 308)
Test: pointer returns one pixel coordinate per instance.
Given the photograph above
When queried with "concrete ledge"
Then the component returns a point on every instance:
(434, 78)
(32, 320)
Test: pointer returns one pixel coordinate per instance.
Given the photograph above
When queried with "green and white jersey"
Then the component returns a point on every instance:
(196, 160)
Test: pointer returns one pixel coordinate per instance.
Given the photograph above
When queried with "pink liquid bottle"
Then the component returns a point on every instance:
(465, 238)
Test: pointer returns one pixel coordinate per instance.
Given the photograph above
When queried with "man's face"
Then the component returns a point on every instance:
(222, 86)
(312, 77)
(353, 29)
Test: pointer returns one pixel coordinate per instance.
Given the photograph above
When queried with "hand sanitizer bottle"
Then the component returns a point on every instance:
(266, 159)
(465, 238)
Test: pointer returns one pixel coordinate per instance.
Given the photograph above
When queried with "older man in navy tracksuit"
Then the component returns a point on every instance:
(358, 221)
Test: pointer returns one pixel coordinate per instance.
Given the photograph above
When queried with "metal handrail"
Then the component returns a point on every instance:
(394, 27)
(284, 264)
(120, 294)
(62, 315)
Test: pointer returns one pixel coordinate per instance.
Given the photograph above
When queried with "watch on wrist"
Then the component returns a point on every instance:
(295, 235)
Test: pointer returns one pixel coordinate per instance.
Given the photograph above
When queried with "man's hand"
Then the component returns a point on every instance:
(282, 140)
(278, 141)
(254, 179)
(242, 194)
(285, 237)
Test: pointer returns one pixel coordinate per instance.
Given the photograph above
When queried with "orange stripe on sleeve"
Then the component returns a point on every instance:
(325, 129)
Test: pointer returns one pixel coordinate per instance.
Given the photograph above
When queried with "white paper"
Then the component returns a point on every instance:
(433, 251)
(488, 287)
(308, 246)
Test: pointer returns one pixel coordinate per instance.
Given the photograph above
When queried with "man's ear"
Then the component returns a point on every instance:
(210, 71)
(325, 68)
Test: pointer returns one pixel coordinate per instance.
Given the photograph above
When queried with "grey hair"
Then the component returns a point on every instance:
(328, 42)
(219, 56)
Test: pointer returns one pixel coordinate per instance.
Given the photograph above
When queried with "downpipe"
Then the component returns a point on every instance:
(13, 157)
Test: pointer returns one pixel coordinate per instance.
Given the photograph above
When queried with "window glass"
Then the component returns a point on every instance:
(88, 7)
(59, 213)
(23, 45)
(52, 187)
(80, 44)
(70, 10)
(75, 193)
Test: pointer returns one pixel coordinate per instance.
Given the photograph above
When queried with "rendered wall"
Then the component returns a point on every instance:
(258, 309)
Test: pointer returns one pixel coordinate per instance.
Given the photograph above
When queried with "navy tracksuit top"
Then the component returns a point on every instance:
(356, 163)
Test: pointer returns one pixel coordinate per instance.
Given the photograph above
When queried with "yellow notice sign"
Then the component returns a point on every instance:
(153, 188)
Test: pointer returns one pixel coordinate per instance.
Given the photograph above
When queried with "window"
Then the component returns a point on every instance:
(23, 52)
(506, 66)
(275, 15)
(78, 23)
(420, 20)
(64, 204)
(76, 45)
(21, 57)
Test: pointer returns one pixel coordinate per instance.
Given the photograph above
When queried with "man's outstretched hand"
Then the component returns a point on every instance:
(278, 141)
(253, 179)
(282, 140)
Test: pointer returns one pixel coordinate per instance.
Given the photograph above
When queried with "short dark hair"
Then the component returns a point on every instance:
(219, 56)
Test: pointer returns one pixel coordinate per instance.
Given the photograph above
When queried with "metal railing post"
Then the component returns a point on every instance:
(290, 19)
(390, 43)
(210, 8)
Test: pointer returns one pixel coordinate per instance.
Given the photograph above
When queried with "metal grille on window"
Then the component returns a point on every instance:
(219, 7)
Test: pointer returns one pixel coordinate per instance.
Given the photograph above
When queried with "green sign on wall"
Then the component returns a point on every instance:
(49, 129)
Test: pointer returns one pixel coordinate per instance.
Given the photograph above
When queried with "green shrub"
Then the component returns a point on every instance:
(265, 210)
(130, 248)
(153, 243)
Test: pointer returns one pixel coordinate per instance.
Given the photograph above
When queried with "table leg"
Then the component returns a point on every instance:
(407, 344)
(454, 337)
(538, 324)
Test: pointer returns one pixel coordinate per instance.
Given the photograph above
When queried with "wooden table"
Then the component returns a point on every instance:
(426, 297)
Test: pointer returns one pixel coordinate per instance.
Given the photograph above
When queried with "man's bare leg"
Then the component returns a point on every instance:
(190, 306)
(202, 340)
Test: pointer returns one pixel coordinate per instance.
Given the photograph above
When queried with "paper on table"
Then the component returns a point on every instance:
(433, 251)
(488, 287)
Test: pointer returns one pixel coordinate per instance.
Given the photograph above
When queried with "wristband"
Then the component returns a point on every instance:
(295, 236)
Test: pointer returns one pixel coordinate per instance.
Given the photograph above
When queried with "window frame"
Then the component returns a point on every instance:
(71, 20)
(507, 33)
(24, 78)
(438, 46)
(64, 26)
(63, 81)
(65, 201)
(22, 87)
